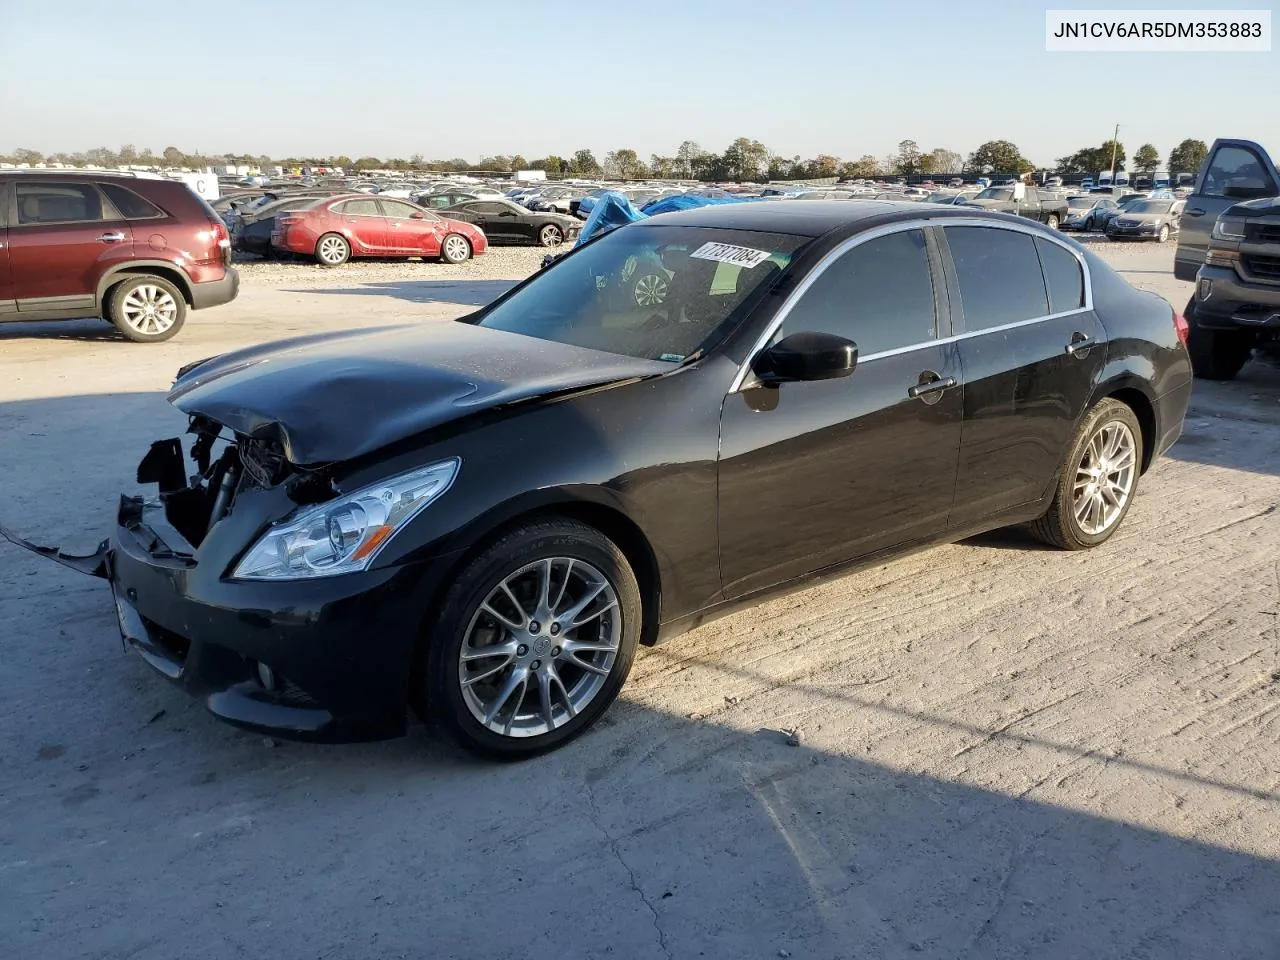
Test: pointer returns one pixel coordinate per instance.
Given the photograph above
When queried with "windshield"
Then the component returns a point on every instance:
(1149, 206)
(654, 292)
(995, 193)
(1080, 203)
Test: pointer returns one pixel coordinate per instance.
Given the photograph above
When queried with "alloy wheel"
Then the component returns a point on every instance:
(456, 249)
(540, 647)
(550, 236)
(651, 290)
(1104, 477)
(149, 309)
(333, 250)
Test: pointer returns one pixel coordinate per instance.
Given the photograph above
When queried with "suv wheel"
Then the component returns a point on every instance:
(1217, 354)
(1052, 221)
(1163, 235)
(146, 308)
(535, 639)
(332, 250)
(1097, 480)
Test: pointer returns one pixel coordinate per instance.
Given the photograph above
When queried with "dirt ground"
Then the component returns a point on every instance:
(1007, 751)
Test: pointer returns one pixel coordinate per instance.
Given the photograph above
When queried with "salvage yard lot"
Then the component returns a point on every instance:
(1006, 751)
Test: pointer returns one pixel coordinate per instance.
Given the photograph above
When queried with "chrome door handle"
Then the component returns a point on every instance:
(115, 237)
(933, 386)
(1079, 348)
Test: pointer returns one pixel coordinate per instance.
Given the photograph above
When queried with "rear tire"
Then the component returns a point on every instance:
(1052, 221)
(1062, 524)
(146, 308)
(461, 687)
(332, 250)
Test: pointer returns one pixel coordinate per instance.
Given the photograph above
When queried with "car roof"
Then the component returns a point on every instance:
(812, 219)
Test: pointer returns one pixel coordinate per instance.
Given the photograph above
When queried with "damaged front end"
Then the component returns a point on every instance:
(282, 658)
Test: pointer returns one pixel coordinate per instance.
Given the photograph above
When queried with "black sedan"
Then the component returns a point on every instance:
(485, 519)
(505, 222)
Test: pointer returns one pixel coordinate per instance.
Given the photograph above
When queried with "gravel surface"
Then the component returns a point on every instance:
(1001, 751)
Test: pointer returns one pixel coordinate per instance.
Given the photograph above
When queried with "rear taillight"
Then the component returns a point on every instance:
(286, 221)
(222, 241)
(1180, 324)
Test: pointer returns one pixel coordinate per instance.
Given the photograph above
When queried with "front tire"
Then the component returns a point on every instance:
(1097, 481)
(332, 250)
(455, 248)
(1163, 235)
(1052, 221)
(535, 639)
(146, 308)
(551, 236)
(1217, 354)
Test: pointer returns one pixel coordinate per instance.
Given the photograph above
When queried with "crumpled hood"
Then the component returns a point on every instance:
(337, 396)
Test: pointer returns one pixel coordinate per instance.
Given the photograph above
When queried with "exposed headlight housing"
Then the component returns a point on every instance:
(1228, 228)
(344, 535)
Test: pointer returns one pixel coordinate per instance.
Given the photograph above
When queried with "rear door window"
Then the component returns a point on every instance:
(999, 276)
(49, 202)
(1063, 277)
(130, 205)
(360, 208)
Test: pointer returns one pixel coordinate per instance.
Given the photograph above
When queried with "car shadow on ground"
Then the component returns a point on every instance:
(657, 835)
(88, 329)
(474, 293)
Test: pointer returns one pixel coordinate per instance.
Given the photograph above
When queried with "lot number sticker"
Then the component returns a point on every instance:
(731, 253)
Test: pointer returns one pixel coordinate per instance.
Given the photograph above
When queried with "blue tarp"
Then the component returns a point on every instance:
(613, 210)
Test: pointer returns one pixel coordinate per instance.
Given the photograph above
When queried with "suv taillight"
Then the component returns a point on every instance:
(1180, 324)
(222, 240)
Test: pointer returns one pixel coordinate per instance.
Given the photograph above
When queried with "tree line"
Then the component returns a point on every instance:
(744, 160)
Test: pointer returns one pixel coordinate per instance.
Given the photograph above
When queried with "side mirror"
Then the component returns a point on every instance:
(416, 216)
(806, 356)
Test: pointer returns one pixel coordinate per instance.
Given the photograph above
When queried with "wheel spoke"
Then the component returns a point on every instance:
(492, 671)
(518, 680)
(544, 586)
(569, 617)
(507, 650)
(564, 585)
(514, 602)
(553, 676)
(502, 618)
(544, 698)
(587, 618)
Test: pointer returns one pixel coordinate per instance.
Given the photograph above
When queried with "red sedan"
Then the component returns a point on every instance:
(335, 229)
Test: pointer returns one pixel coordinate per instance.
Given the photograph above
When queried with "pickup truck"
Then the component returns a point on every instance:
(1229, 244)
(1029, 204)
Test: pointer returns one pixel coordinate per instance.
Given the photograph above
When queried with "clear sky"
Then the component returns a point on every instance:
(398, 77)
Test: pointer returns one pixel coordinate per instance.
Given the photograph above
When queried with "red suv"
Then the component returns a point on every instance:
(336, 229)
(136, 251)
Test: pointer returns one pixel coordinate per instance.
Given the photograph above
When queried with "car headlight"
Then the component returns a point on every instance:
(1229, 228)
(344, 535)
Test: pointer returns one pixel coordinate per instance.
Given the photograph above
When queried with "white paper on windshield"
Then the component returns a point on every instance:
(731, 253)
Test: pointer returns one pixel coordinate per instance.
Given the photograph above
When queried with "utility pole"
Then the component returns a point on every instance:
(1114, 144)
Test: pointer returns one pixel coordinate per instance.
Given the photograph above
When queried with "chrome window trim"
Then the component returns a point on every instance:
(845, 246)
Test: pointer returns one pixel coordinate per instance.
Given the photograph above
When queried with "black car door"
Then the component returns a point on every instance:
(1031, 349)
(817, 473)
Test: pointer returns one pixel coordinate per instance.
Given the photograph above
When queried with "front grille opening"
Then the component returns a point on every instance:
(174, 644)
(1268, 267)
(281, 689)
